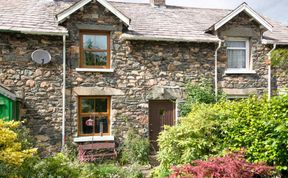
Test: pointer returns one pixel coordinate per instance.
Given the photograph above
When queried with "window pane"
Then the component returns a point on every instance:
(101, 105)
(101, 124)
(236, 58)
(240, 44)
(87, 105)
(95, 42)
(95, 58)
(87, 124)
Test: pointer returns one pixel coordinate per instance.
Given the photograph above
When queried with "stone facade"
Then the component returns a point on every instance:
(139, 68)
(39, 86)
(244, 84)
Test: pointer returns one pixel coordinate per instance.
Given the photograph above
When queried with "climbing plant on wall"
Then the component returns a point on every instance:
(279, 58)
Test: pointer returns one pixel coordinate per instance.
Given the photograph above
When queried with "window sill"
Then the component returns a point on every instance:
(93, 70)
(93, 138)
(235, 71)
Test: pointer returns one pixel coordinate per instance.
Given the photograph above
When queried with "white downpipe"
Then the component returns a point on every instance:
(63, 92)
(216, 70)
(270, 71)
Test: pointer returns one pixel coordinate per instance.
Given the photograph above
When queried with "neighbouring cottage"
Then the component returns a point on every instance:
(114, 63)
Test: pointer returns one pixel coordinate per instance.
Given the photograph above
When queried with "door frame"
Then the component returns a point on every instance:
(175, 110)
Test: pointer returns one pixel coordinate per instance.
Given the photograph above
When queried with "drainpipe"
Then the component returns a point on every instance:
(63, 92)
(216, 71)
(269, 71)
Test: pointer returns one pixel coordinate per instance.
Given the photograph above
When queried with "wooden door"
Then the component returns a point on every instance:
(161, 112)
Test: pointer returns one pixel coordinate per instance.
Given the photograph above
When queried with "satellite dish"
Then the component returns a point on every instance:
(41, 56)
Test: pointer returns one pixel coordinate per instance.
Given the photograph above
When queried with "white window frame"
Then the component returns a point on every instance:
(248, 67)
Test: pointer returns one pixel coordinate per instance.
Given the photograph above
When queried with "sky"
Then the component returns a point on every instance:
(275, 9)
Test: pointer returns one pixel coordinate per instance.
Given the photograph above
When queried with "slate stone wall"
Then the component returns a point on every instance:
(39, 86)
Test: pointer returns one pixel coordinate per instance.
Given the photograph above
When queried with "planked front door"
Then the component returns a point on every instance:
(161, 112)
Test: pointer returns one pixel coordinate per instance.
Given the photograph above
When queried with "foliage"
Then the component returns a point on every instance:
(261, 127)
(233, 165)
(279, 58)
(135, 149)
(107, 170)
(13, 148)
(258, 125)
(198, 93)
(193, 138)
(58, 165)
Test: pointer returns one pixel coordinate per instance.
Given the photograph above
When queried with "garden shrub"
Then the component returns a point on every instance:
(15, 148)
(261, 127)
(56, 166)
(193, 138)
(12, 151)
(232, 165)
(135, 149)
(258, 125)
(107, 170)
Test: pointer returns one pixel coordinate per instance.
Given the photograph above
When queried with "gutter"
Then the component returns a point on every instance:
(270, 71)
(63, 93)
(31, 32)
(216, 70)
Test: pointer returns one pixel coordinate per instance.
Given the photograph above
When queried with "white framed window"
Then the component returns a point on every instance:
(238, 56)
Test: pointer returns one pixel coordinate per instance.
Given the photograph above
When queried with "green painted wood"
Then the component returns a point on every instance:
(7, 108)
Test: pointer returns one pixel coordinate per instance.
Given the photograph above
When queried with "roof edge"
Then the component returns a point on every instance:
(277, 42)
(167, 38)
(243, 7)
(33, 32)
(67, 12)
(7, 93)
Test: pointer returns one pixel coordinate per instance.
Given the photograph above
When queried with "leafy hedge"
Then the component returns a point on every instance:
(258, 125)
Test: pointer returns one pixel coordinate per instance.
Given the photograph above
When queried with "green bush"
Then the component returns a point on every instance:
(56, 166)
(197, 136)
(135, 149)
(202, 92)
(15, 148)
(261, 127)
(258, 125)
(105, 170)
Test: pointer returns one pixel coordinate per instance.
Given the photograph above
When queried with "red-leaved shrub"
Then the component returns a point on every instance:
(232, 165)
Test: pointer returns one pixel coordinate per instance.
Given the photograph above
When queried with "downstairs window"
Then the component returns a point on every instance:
(94, 116)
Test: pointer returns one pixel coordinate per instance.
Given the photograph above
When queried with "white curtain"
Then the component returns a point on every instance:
(236, 55)
(236, 58)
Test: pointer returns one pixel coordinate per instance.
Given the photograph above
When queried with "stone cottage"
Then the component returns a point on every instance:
(114, 63)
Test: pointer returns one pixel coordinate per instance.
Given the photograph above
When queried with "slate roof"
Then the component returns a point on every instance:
(167, 23)
(36, 16)
(185, 22)
(171, 21)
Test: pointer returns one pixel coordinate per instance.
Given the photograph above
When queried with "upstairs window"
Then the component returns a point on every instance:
(238, 54)
(94, 116)
(95, 49)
